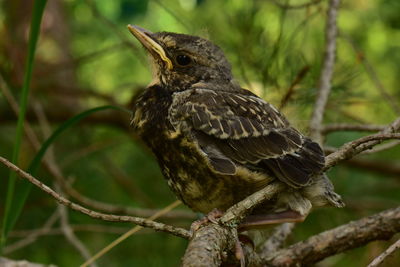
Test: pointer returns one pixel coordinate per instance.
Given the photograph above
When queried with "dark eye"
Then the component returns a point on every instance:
(183, 60)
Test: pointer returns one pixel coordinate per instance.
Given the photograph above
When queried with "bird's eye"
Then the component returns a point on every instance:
(183, 60)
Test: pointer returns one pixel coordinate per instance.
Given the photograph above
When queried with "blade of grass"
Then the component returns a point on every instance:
(64, 126)
(38, 8)
(24, 186)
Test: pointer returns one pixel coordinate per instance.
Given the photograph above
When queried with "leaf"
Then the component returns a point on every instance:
(9, 213)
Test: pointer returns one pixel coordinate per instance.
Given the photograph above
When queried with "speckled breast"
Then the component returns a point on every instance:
(191, 178)
(183, 163)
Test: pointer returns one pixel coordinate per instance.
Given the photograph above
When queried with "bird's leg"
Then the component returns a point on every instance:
(212, 216)
(239, 252)
(262, 220)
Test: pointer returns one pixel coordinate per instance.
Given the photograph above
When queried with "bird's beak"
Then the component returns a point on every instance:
(145, 37)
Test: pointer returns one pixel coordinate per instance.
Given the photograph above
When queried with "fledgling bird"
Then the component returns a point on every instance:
(217, 143)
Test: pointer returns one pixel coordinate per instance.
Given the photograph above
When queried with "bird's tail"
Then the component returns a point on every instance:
(331, 196)
(322, 192)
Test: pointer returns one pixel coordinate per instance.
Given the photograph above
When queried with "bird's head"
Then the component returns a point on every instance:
(181, 60)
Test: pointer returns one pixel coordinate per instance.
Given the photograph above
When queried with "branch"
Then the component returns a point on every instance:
(214, 244)
(97, 215)
(381, 226)
(55, 114)
(208, 245)
(237, 212)
(9, 262)
(324, 84)
(94, 228)
(111, 208)
(290, 91)
(355, 147)
(32, 236)
(379, 260)
(382, 147)
(334, 127)
(210, 242)
(69, 234)
(277, 238)
(373, 75)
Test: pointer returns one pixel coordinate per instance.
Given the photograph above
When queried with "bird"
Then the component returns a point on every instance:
(217, 143)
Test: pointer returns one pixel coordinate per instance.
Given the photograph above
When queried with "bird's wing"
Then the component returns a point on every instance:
(240, 128)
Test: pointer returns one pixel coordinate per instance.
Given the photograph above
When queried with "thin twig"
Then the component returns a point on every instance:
(290, 91)
(96, 215)
(238, 211)
(69, 233)
(277, 238)
(336, 127)
(373, 75)
(176, 16)
(4, 262)
(116, 30)
(382, 147)
(112, 208)
(127, 183)
(128, 234)
(324, 84)
(379, 260)
(355, 147)
(31, 237)
(15, 107)
(95, 228)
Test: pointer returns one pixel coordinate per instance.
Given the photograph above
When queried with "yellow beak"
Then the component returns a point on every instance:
(144, 37)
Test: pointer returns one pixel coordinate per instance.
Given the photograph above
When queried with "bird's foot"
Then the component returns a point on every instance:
(262, 220)
(241, 242)
(212, 216)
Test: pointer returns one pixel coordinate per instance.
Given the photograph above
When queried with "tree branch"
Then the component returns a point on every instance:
(10, 263)
(355, 147)
(210, 242)
(31, 237)
(379, 260)
(208, 246)
(324, 84)
(381, 226)
(291, 90)
(277, 238)
(237, 212)
(376, 81)
(97, 215)
(335, 127)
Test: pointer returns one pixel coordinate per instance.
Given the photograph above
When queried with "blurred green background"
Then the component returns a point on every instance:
(86, 58)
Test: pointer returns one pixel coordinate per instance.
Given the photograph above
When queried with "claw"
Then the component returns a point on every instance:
(239, 253)
(212, 216)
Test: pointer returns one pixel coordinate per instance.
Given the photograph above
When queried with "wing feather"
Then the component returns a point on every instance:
(246, 130)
